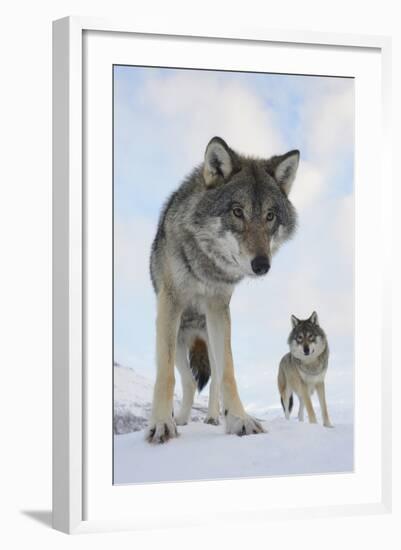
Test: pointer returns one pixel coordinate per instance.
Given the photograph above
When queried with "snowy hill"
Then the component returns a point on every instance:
(206, 452)
(133, 401)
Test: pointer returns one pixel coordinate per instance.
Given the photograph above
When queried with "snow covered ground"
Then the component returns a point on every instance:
(206, 452)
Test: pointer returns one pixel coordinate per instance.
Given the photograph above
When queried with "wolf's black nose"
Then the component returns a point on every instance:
(260, 265)
(306, 350)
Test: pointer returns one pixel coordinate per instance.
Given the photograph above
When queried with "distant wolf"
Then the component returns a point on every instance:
(222, 224)
(304, 368)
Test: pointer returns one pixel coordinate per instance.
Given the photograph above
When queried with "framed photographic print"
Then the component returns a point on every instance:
(217, 197)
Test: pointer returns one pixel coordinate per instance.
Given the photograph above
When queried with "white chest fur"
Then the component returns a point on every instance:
(309, 377)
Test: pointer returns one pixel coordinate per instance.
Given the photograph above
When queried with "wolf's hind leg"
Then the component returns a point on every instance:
(213, 410)
(219, 336)
(188, 385)
(301, 410)
(305, 396)
(287, 402)
(286, 397)
(162, 426)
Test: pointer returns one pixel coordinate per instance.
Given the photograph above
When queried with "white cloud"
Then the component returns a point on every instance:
(195, 106)
(328, 122)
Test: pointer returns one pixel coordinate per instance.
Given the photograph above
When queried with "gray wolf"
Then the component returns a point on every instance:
(304, 368)
(222, 224)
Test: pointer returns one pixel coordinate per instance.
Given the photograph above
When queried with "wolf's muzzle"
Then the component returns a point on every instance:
(260, 265)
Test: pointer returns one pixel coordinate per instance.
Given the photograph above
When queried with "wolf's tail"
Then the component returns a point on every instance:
(199, 363)
(290, 404)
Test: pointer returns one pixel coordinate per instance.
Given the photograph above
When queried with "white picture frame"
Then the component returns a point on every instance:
(71, 428)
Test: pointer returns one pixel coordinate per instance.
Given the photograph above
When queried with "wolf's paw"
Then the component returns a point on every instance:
(243, 425)
(328, 425)
(211, 420)
(160, 432)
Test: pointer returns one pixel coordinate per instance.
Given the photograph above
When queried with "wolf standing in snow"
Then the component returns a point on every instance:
(303, 370)
(222, 224)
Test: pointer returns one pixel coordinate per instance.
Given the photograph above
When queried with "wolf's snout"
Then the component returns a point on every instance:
(260, 265)
(306, 350)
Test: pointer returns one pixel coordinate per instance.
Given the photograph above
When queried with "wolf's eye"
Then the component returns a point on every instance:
(270, 216)
(238, 212)
(299, 338)
(311, 337)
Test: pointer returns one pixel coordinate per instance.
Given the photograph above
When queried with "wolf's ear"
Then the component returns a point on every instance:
(314, 319)
(285, 169)
(294, 321)
(220, 162)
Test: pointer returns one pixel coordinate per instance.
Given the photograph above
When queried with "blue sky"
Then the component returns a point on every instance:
(163, 119)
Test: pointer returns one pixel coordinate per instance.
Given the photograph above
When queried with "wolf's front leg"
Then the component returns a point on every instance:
(323, 405)
(162, 425)
(219, 336)
(304, 395)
